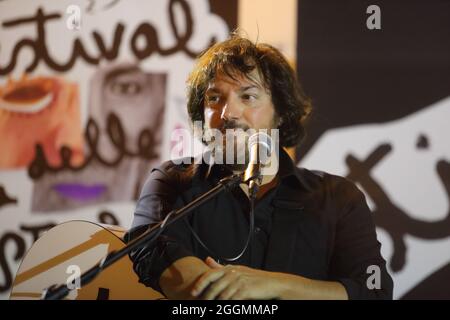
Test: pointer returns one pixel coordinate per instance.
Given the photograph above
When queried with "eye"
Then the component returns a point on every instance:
(212, 99)
(248, 97)
(128, 88)
(133, 88)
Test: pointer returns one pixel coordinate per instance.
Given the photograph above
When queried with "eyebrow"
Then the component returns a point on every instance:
(212, 90)
(242, 89)
(253, 86)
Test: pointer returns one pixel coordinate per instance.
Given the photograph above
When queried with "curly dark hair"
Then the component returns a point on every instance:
(238, 55)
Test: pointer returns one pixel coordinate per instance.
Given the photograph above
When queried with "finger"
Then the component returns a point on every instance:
(217, 287)
(207, 278)
(240, 294)
(212, 263)
(228, 292)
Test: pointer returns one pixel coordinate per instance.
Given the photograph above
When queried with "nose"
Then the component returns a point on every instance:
(231, 110)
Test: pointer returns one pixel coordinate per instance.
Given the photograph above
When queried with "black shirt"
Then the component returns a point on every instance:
(312, 224)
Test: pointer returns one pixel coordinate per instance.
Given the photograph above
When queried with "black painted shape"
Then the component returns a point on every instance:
(355, 75)
(103, 294)
(4, 198)
(390, 217)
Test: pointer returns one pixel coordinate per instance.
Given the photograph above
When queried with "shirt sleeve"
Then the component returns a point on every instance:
(356, 261)
(159, 195)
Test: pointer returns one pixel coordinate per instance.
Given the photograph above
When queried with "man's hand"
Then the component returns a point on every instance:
(235, 283)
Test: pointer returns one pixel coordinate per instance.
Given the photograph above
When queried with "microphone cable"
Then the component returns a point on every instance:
(249, 236)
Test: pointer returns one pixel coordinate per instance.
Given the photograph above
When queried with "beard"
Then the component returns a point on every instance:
(228, 144)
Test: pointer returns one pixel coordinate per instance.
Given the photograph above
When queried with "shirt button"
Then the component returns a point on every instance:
(257, 229)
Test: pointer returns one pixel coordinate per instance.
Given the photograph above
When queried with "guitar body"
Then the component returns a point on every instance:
(74, 246)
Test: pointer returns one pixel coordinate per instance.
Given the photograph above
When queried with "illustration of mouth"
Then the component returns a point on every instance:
(33, 107)
(79, 192)
(28, 95)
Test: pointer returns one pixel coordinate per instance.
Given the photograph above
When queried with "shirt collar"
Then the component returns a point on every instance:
(287, 171)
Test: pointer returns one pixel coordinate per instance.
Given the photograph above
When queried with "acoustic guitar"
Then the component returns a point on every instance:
(73, 247)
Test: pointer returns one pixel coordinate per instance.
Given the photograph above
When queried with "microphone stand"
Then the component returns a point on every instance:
(149, 237)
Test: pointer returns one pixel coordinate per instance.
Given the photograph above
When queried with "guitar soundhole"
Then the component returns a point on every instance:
(103, 294)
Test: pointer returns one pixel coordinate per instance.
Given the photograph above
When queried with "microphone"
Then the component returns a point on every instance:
(260, 152)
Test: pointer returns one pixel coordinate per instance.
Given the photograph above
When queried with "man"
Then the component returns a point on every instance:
(314, 236)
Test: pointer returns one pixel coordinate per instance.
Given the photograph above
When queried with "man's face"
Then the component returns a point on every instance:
(238, 103)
